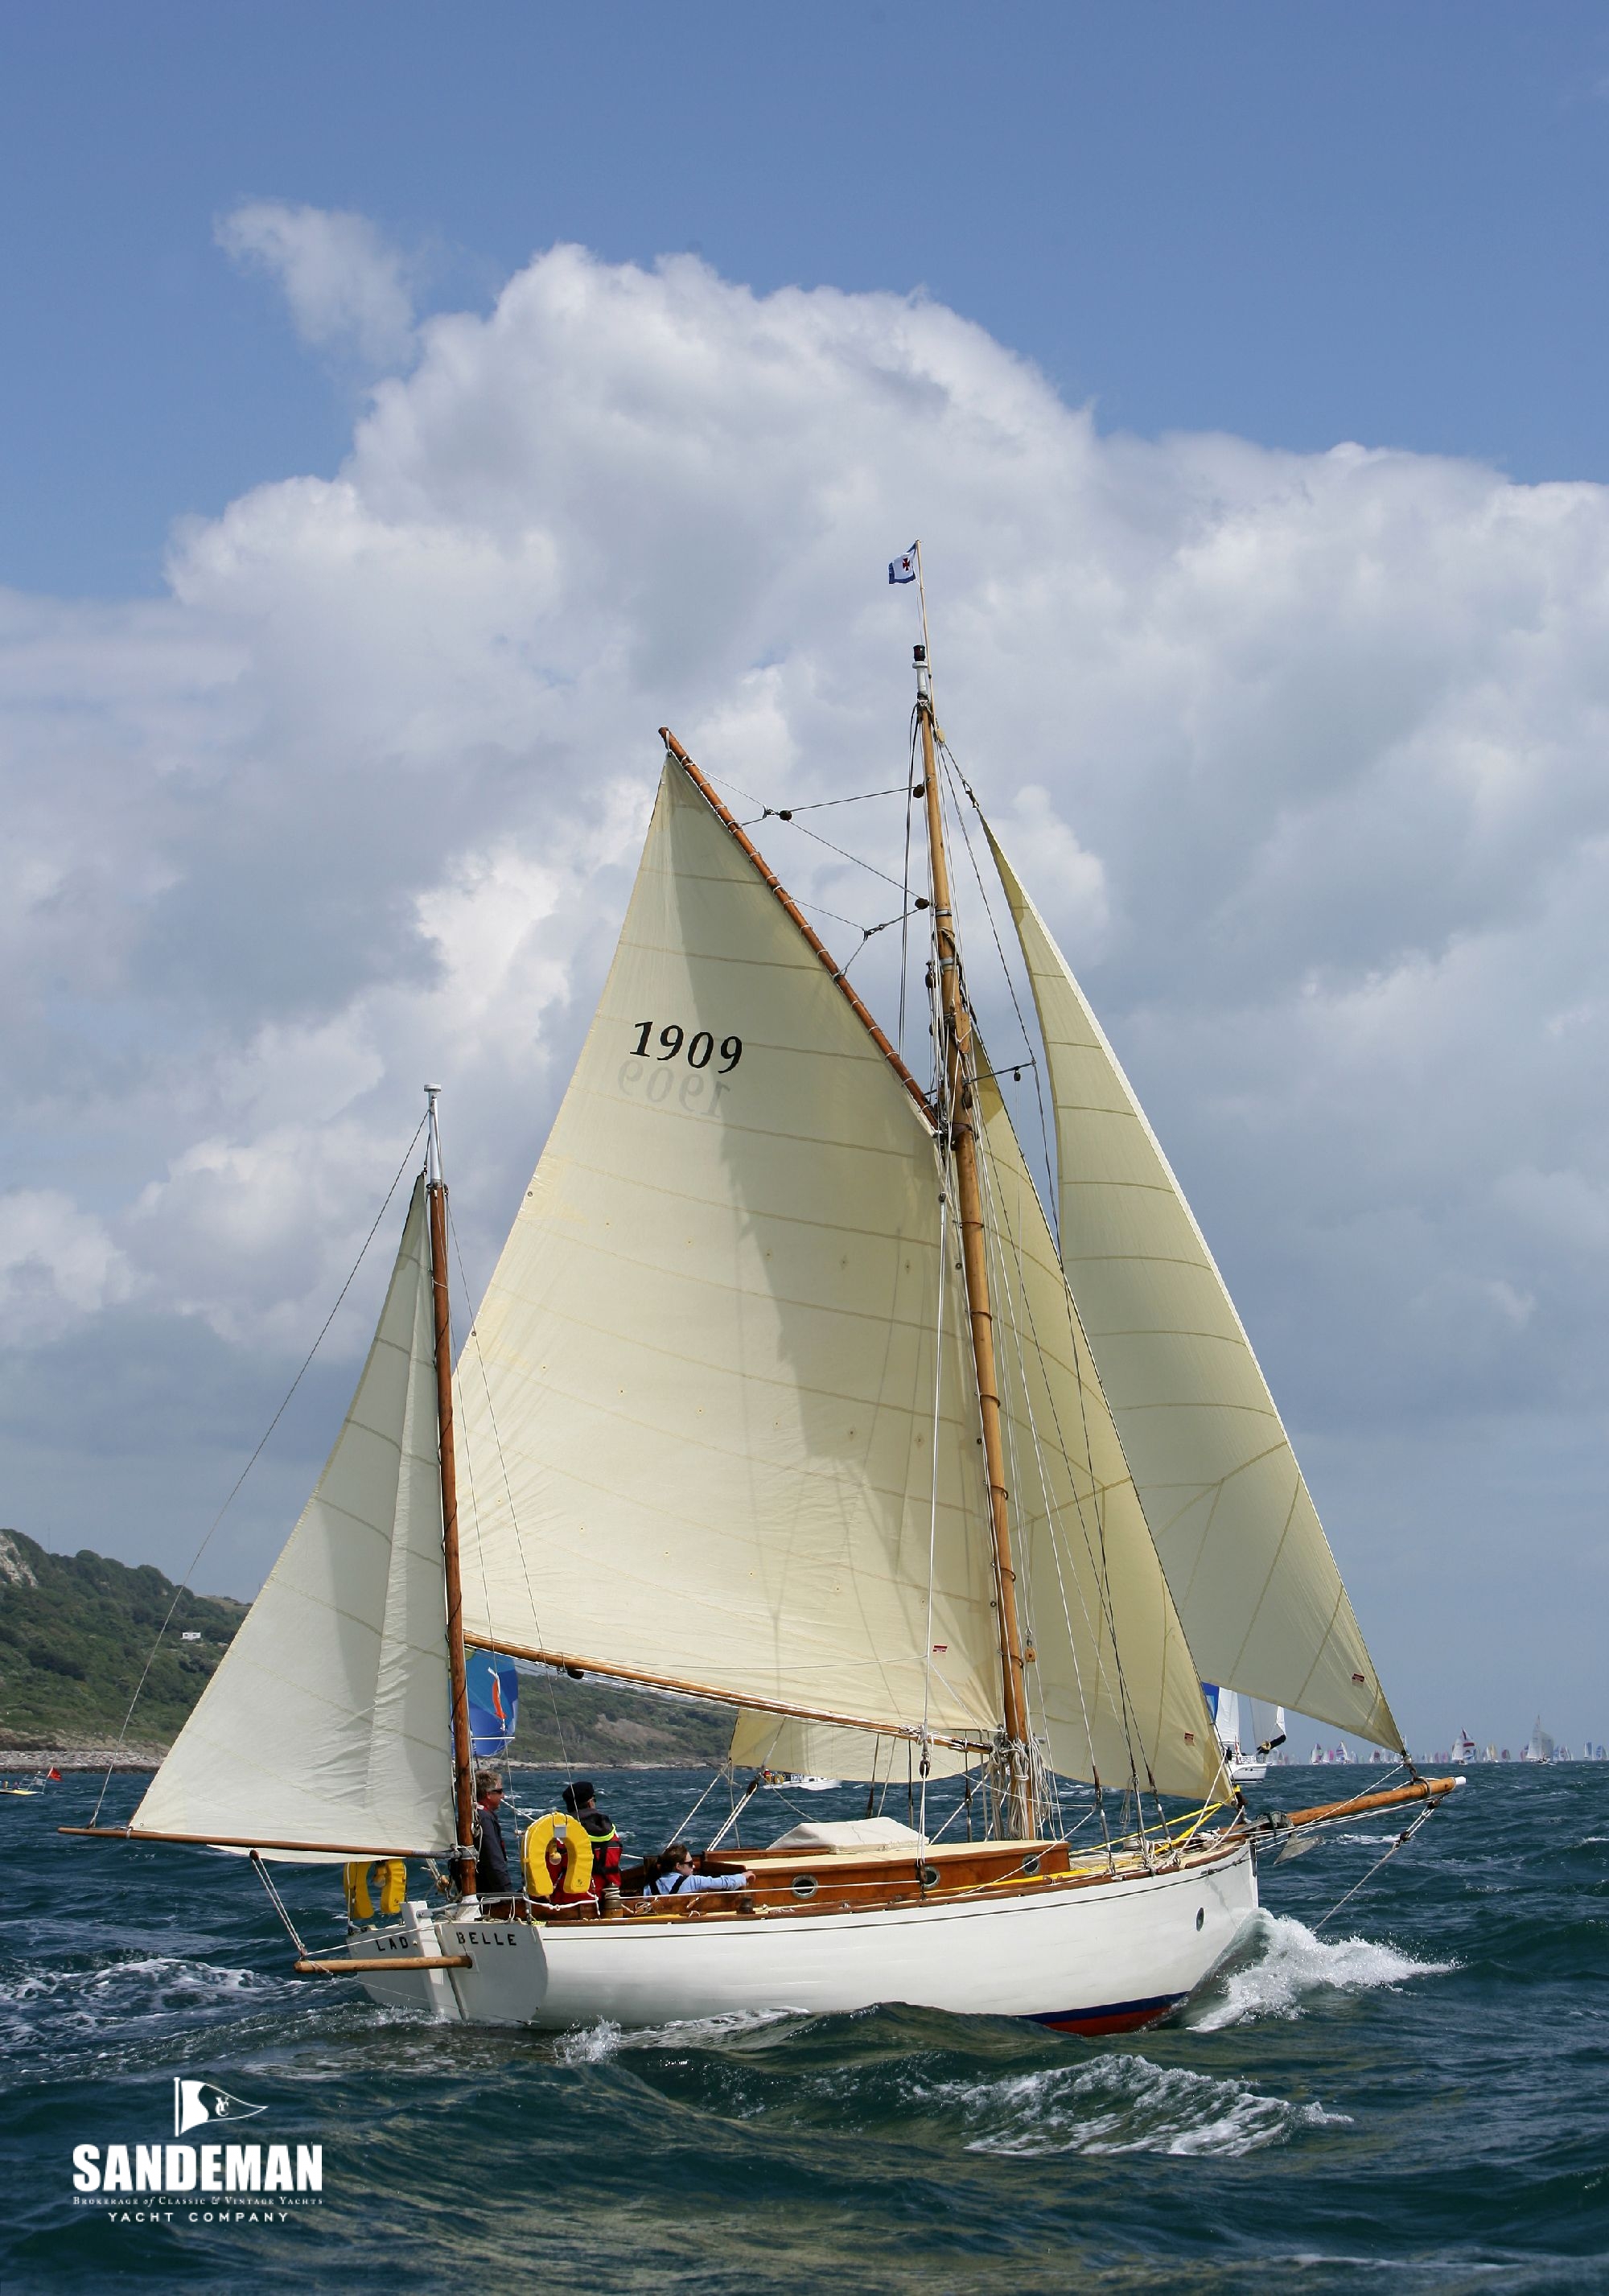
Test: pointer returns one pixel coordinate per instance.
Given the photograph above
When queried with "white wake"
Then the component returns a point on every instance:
(1282, 1964)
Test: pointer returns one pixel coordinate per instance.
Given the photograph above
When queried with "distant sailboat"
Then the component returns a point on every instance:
(1540, 1749)
(784, 1393)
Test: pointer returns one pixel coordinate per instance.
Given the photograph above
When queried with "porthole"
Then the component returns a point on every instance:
(1031, 1865)
(805, 1885)
(1201, 1915)
(930, 1877)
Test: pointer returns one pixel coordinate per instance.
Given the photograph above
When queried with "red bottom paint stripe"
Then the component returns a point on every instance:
(1116, 2017)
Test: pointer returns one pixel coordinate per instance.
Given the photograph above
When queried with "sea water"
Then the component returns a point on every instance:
(1414, 2096)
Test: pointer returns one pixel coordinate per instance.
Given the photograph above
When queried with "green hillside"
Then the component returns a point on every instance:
(604, 1723)
(76, 1630)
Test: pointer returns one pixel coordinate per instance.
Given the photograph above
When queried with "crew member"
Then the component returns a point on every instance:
(493, 1879)
(580, 1801)
(677, 1875)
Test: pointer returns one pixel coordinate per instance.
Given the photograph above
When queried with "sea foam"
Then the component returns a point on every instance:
(1282, 1962)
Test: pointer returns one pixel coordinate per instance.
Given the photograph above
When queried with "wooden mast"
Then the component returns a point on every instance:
(960, 1107)
(463, 1785)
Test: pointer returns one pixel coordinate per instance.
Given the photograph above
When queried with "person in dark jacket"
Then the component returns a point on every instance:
(492, 1876)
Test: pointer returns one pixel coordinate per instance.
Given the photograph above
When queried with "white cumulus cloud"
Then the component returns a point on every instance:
(1302, 753)
(346, 286)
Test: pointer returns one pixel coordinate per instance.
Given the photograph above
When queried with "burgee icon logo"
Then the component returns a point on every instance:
(195, 2101)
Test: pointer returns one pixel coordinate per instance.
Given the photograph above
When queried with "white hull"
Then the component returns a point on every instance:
(1107, 1956)
(1248, 1774)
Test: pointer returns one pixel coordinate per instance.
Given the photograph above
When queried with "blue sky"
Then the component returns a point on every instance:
(355, 541)
(1297, 223)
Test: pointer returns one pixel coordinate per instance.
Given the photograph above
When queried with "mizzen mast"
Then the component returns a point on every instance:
(956, 1068)
(464, 1790)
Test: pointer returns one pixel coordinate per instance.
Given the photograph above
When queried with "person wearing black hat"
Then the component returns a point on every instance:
(580, 1801)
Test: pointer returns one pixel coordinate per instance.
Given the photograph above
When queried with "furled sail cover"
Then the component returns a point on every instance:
(1246, 1557)
(327, 1723)
(1113, 1689)
(696, 1414)
(823, 1750)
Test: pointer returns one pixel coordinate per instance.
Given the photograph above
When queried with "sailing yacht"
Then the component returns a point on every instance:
(785, 1393)
(1244, 1768)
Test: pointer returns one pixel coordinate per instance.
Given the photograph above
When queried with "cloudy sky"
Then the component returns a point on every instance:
(392, 452)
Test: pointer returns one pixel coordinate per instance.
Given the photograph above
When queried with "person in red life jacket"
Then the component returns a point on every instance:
(580, 1801)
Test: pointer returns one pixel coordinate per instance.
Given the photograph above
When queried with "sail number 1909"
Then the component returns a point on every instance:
(701, 1047)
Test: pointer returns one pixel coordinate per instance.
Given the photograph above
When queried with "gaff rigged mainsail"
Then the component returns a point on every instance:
(1246, 1557)
(697, 1406)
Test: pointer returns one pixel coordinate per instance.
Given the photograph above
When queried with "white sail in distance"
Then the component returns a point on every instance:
(1252, 1572)
(326, 1725)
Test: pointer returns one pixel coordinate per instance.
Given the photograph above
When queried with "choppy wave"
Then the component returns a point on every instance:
(596, 2044)
(1124, 2105)
(1332, 2112)
(1282, 1964)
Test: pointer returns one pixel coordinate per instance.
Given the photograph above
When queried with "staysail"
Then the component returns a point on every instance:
(326, 1725)
(1246, 1557)
(695, 1411)
(1112, 1690)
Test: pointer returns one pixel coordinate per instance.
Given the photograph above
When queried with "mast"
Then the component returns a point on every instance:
(464, 1790)
(956, 1064)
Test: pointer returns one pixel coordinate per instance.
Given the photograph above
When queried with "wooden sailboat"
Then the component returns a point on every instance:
(784, 1393)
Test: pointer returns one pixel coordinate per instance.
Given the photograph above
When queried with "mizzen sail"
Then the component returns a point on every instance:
(326, 1725)
(1246, 1557)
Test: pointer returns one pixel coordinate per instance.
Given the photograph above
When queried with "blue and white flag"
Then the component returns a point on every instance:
(494, 1702)
(904, 569)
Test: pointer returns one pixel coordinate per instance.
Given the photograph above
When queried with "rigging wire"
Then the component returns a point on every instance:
(1403, 1838)
(905, 937)
(954, 771)
(932, 1519)
(565, 1764)
(184, 1584)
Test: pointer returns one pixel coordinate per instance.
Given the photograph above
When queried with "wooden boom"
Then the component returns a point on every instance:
(386, 1961)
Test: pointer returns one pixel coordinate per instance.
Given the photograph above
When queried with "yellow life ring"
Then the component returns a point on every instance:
(562, 1831)
(376, 1889)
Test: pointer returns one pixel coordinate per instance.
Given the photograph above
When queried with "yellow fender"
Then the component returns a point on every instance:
(557, 1830)
(376, 1889)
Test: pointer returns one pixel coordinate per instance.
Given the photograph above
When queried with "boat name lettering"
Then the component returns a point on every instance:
(486, 1937)
(700, 1047)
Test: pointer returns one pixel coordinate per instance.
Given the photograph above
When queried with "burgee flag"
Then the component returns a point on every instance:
(904, 569)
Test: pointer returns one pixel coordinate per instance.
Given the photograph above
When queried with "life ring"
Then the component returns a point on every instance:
(376, 1889)
(557, 1855)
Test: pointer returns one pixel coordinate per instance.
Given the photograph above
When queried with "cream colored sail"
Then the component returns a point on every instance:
(1112, 1690)
(821, 1750)
(695, 1411)
(1252, 1572)
(327, 1723)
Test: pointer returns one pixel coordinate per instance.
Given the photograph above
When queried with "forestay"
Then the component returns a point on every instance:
(1247, 1560)
(326, 1723)
(1112, 1690)
(696, 1414)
